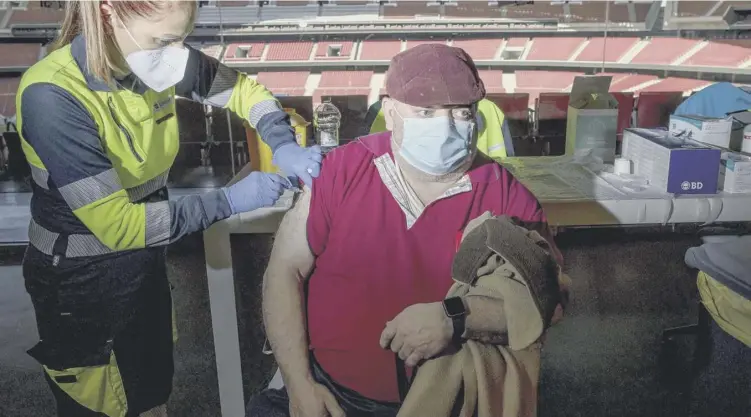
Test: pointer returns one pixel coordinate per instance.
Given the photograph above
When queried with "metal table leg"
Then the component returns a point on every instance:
(224, 319)
(220, 277)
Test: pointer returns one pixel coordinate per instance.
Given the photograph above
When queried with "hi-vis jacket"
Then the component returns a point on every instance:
(100, 157)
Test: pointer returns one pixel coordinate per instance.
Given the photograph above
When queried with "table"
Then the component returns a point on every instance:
(575, 196)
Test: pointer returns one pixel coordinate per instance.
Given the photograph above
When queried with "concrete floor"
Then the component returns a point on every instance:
(602, 360)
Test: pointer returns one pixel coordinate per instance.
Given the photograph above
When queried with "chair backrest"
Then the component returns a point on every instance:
(515, 107)
(653, 108)
(625, 109)
(552, 106)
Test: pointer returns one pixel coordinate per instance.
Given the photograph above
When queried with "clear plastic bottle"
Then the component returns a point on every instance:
(327, 122)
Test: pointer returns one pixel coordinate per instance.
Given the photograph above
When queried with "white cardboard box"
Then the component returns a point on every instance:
(592, 119)
(735, 173)
(671, 164)
(709, 130)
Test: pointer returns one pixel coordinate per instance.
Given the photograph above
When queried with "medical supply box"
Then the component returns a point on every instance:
(709, 130)
(735, 173)
(672, 164)
(592, 119)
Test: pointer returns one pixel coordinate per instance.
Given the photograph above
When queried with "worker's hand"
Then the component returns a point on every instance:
(257, 190)
(299, 162)
(419, 332)
(311, 399)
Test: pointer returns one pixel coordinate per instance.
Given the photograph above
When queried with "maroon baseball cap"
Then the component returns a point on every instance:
(431, 75)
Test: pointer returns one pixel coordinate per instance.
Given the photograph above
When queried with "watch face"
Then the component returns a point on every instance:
(454, 306)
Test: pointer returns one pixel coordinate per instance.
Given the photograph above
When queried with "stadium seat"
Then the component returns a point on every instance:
(550, 121)
(516, 110)
(653, 109)
(625, 110)
(515, 107)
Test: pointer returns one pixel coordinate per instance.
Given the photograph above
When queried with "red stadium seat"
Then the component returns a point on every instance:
(653, 109)
(625, 110)
(289, 51)
(493, 80)
(552, 106)
(550, 117)
(515, 107)
(722, 53)
(291, 83)
(379, 49)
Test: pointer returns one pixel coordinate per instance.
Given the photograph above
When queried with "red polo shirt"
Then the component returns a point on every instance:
(370, 266)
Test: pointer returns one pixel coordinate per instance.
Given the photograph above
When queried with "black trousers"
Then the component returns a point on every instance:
(275, 402)
(106, 330)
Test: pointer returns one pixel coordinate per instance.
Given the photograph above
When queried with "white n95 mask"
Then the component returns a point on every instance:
(159, 68)
(436, 145)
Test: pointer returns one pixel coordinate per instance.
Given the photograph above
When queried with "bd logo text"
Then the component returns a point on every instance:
(692, 185)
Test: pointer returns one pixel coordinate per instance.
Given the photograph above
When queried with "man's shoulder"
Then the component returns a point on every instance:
(362, 150)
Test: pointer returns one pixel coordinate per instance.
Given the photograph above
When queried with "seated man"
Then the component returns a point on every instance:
(493, 133)
(362, 263)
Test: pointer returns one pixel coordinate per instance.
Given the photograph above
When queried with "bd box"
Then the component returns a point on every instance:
(672, 164)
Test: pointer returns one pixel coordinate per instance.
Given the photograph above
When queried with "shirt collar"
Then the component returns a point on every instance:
(78, 50)
(483, 170)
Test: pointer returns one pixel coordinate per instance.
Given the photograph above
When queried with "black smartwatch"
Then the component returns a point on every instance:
(457, 312)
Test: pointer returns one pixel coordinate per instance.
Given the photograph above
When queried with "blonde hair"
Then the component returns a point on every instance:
(85, 17)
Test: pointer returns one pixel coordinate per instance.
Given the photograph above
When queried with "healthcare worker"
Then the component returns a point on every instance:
(99, 129)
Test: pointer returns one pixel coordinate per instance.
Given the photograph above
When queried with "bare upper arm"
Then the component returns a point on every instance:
(291, 253)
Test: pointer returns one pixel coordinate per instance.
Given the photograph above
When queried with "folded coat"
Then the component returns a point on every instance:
(498, 259)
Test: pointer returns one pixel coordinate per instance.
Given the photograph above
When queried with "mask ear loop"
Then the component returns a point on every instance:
(122, 22)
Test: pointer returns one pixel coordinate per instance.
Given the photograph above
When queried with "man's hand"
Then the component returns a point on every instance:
(421, 331)
(311, 399)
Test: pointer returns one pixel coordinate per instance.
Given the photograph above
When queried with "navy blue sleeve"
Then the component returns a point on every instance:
(66, 140)
(212, 83)
(508, 141)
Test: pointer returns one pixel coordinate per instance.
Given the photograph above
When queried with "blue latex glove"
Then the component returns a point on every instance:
(257, 190)
(299, 162)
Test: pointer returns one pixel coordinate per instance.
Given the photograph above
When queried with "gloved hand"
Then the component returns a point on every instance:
(299, 162)
(257, 190)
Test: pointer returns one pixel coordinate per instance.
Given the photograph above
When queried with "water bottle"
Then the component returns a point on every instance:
(327, 121)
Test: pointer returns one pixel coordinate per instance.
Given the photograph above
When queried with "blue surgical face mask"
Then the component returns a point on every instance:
(436, 145)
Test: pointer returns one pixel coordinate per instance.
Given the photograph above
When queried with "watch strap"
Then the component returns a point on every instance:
(459, 326)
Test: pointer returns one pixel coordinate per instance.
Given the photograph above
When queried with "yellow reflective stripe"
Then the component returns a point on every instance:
(142, 191)
(40, 176)
(248, 94)
(115, 221)
(98, 388)
(730, 310)
(261, 109)
(89, 190)
(78, 245)
(158, 220)
(222, 87)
